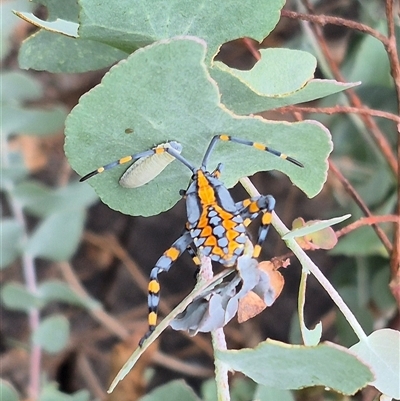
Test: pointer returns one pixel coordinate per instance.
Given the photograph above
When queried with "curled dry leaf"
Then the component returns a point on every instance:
(253, 287)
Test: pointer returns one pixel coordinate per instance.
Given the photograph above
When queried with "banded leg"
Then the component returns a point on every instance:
(163, 265)
(250, 208)
(257, 145)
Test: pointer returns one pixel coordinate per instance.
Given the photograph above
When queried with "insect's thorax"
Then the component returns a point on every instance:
(213, 221)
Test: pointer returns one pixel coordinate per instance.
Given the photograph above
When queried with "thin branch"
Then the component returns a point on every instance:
(326, 20)
(361, 204)
(367, 221)
(355, 101)
(98, 314)
(391, 49)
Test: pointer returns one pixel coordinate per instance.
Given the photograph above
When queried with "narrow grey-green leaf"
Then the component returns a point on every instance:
(173, 391)
(163, 92)
(11, 233)
(7, 391)
(52, 334)
(216, 22)
(312, 228)
(276, 364)
(16, 297)
(54, 290)
(57, 236)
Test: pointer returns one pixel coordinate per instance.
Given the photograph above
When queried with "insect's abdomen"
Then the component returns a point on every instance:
(220, 235)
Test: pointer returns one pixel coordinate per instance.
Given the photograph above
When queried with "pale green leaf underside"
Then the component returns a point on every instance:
(381, 350)
(164, 92)
(67, 28)
(216, 22)
(284, 366)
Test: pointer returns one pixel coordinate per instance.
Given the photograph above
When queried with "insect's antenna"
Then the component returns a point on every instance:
(179, 157)
(123, 160)
(259, 146)
(209, 150)
(157, 150)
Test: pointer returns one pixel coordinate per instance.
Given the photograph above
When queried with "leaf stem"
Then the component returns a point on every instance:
(309, 265)
(218, 341)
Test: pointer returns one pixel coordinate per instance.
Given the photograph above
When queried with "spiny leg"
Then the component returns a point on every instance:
(163, 265)
(259, 146)
(250, 208)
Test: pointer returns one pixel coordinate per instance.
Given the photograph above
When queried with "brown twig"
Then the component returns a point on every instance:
(355, 101)
(361, 204)
(367, 221)
(113, 325)
(326, 20)
(391, 49)
(340, 109)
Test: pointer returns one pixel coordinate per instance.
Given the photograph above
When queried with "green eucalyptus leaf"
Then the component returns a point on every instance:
(126, 27)
(41, 201)
(7, 391)
(48, 51)
(17, 297)
(11, 234)
(9, 23)
(381, 351)
(50, 392)
(284, 366)
(264, 393)
(52, 334)
(58, 235)
(18, 86)
(241, 99)
(18, 119)
(55, 290)
(173, 391)
(163, 92)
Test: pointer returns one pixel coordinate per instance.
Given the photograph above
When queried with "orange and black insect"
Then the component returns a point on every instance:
(216, 225)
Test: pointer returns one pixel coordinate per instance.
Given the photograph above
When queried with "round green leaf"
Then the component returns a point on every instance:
(17, 297)
(54, 290)
(7, 391)
(10, 241)
(163, 92)
(284, 366)
(52, 334)
(58, 236)
(19, 86)
(381, 351)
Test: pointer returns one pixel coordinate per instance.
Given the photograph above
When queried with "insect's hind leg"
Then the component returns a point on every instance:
(250, 208)
(163, 264)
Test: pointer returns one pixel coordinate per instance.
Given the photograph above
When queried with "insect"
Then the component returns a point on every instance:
(147, 168)
(216, 225)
